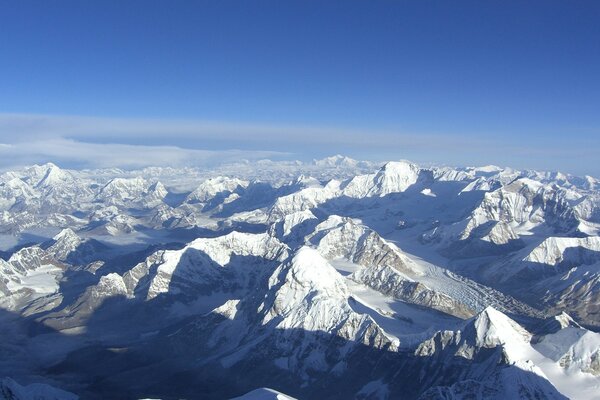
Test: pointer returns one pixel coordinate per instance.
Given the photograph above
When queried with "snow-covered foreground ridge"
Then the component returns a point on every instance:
(330, 279)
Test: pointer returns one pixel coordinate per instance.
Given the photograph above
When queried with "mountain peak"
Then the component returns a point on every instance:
(337, 160)
(307, 181)
(402, 166)
(493, 328)
(212, 187)
(49, 174)
(66, 234)
(309, 267)
(396, 176)
(158, 189)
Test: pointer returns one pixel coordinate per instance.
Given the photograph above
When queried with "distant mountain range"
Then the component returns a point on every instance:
(333, 279)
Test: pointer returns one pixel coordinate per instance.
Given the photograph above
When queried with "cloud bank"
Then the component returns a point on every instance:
(95, 142)
(93, 155)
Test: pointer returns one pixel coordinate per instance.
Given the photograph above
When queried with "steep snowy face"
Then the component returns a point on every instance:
(338, 237)
(488, 330)
(205, 265)
(54, 176)
(221, 185)
(590, 183)
(221, 249)
(67, 247)
(29, 259)
(306, 274)
(123, 190)
(396, 177)
(37, 175)
(393, 177)
(341, 237)
(492, 328)
(302, 200)
(110, 285)
(304, 181)
(155, 196)
(64, 244)
(526, 200)
(309, 294)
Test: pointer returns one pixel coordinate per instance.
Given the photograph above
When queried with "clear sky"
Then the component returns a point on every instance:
(451, 82)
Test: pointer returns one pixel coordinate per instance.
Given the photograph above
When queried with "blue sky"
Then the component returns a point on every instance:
(464, 83)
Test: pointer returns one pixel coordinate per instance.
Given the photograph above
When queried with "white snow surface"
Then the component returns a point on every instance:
(264, 394)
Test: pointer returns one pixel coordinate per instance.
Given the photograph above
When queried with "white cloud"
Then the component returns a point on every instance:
(136, 142)
(99, 155)
(124, 142)
(21, 127)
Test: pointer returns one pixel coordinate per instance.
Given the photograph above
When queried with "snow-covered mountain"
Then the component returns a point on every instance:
(330, 279)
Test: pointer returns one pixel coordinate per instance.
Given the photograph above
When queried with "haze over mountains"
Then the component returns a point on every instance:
(332, 279)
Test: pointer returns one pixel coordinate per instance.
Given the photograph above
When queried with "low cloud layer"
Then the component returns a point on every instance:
(93, 142)
(76, 154)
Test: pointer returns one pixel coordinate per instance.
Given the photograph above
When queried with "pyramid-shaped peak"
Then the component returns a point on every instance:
(66, 234)
(159, 189)
(49, 174)
(157, 186)
(310, 269)
(307, 180)
(395, 176)
(494, 328)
